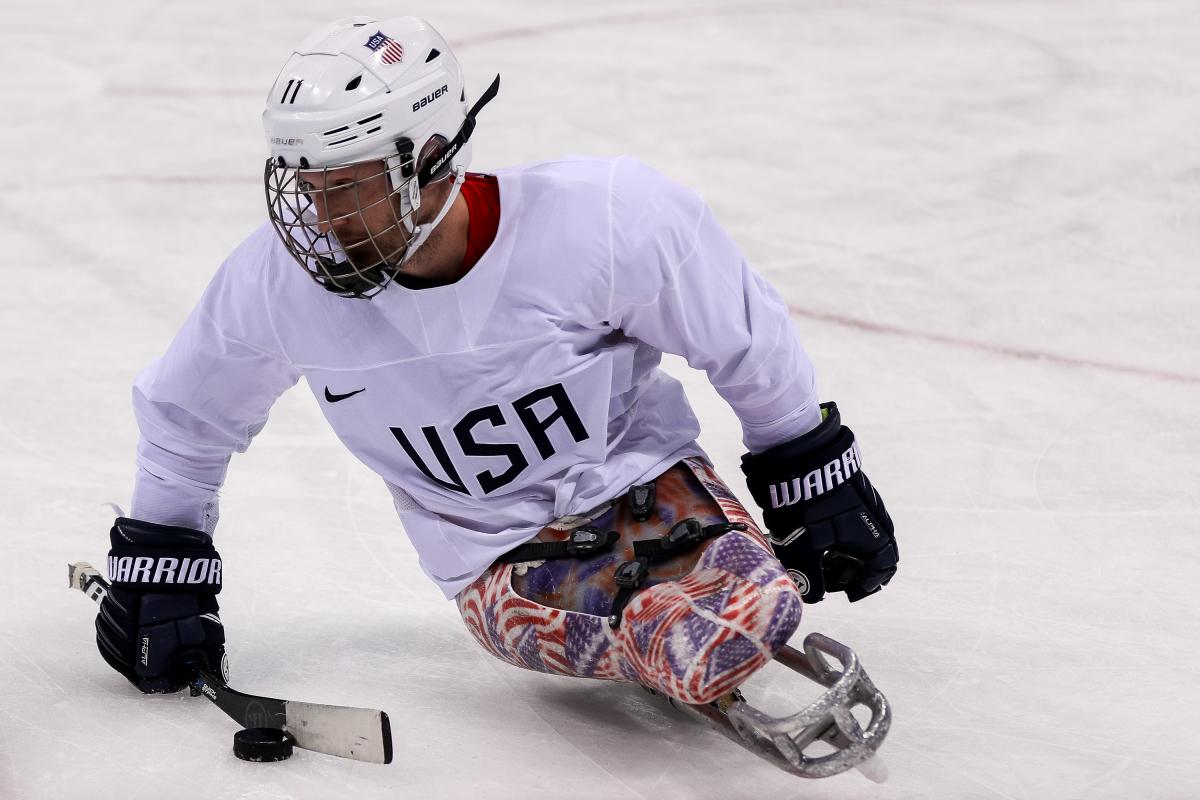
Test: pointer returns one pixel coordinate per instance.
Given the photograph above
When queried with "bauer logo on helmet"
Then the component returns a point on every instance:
(429, 98)
(445, 157)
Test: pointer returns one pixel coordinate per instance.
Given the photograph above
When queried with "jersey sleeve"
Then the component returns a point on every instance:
(208, 395)
(681, 285)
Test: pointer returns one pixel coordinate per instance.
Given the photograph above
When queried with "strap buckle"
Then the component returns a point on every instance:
(588, 540)
(631, 574)
(684, 535)
(641, 501)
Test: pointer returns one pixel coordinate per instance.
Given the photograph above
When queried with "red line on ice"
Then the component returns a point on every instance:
(1026, 354)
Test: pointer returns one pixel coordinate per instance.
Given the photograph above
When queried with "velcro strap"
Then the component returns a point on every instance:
(684, 536)
(166, 570)
(583, 542)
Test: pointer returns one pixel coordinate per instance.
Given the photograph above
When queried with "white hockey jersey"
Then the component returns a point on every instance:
(528, 390)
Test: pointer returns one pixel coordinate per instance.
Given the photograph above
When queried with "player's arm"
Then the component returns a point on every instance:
(202, 401)
(680, 283)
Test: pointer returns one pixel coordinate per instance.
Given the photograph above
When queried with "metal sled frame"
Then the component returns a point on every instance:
(783, 740)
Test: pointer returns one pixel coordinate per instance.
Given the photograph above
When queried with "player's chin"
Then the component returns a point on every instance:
(373, 253)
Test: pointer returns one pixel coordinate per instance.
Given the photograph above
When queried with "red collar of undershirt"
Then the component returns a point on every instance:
(482, 194)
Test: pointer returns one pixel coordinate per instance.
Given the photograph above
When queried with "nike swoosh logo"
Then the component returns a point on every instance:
(333, 398)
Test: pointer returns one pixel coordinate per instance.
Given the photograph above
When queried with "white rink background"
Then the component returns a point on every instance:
(986, 217)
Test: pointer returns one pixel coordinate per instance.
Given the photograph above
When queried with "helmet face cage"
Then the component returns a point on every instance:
(355, 268)
(298, 199)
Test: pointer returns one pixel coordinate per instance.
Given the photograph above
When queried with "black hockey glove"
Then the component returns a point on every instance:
(826, 522)
(161, 613)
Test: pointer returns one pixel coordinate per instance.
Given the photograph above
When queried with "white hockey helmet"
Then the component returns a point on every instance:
(357, 91)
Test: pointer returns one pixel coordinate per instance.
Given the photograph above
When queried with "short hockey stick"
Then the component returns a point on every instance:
(362, 734)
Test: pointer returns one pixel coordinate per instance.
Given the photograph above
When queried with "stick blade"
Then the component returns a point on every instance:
(362, 734)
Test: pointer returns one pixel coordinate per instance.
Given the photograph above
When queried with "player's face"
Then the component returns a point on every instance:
(357, 205)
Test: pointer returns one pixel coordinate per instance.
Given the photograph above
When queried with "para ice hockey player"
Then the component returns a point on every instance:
(489, 345)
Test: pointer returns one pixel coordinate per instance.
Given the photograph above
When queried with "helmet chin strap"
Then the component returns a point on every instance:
(419, 234)
(455, 147)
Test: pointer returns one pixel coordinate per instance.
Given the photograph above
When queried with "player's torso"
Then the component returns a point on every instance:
(479, 423)
(501, 385)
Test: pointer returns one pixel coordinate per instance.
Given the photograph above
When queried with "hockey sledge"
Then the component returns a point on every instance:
(789, 741)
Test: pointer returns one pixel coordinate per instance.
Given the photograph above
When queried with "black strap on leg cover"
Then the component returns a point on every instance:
(630, 577)
(584, 542)
(685, 535)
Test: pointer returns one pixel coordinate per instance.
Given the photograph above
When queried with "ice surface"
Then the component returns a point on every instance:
(986, 216)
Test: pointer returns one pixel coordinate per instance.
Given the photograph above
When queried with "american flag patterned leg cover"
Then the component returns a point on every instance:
(705, 621)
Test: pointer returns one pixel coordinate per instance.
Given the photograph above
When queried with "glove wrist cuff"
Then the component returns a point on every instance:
(805, 468)
(162, 559)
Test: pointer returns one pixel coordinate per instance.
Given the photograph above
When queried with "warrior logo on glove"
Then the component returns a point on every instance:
(817, 482)
(827, 523)
(162, 570)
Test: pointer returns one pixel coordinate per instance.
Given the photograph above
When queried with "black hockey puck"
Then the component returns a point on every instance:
(262, 744)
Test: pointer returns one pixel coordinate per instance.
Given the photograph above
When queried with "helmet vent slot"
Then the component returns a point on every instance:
(434, 53)
(354, 82)
(355, 131)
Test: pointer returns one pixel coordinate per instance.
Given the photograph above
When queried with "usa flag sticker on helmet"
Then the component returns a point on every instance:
(388, 49)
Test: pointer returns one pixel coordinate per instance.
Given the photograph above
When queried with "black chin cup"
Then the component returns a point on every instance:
(344, 279)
